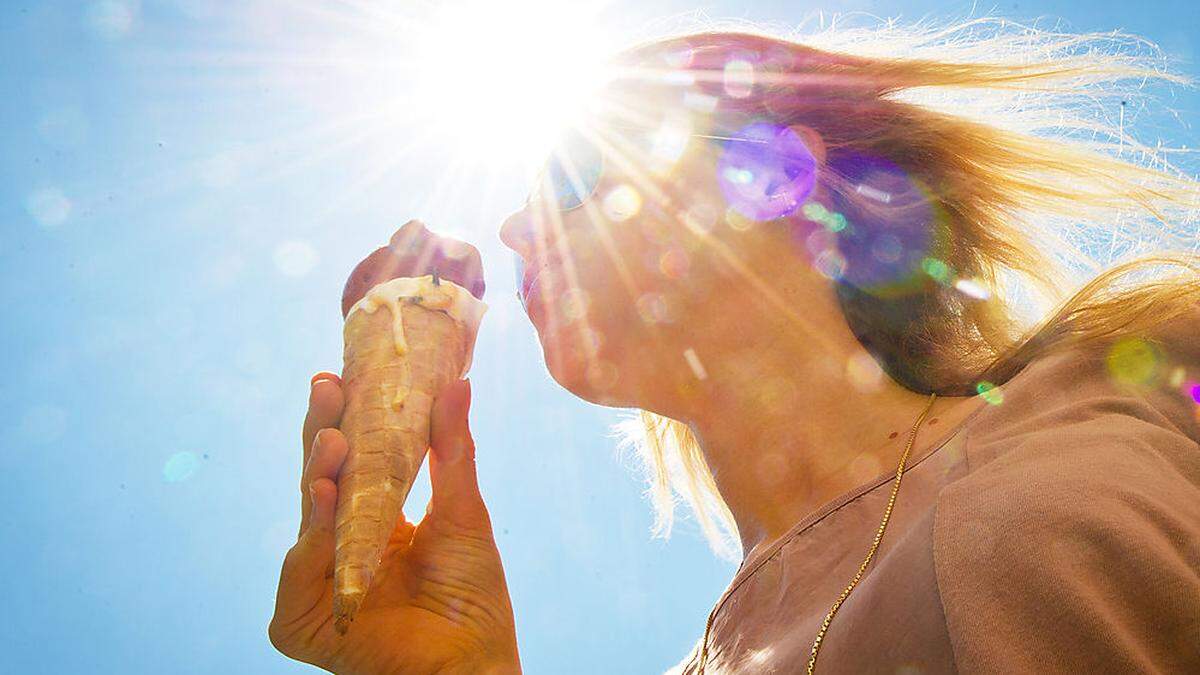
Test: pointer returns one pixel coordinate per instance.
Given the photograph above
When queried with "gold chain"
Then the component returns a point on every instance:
(812, 661)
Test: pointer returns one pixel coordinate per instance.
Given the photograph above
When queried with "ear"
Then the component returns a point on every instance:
(812, 139)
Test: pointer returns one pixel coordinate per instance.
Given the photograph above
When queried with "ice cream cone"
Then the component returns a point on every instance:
(406, 340)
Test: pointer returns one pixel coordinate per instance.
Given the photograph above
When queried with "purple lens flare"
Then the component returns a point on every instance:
(767, 173)
(889, 225)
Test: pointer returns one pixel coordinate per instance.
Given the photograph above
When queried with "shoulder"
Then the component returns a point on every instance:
(1129, 401)
(1107, 481)
(1074, 549)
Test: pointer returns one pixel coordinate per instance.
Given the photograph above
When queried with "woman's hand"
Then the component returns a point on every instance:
(439, 602)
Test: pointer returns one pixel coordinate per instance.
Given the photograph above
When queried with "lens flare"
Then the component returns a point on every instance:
(739, 78)
(654, 308)
(972, 288)
(295, 258)
(886, 224)
(180, 467)
(736, 221)
(622, 203)
(937, 269)
(1177, 375)
(532, 66)
(602, 375)
(49, 207)
(768, 174)
(694, 363)
(990, 393)
(674, 263)
(864, 372)
(1133, 360)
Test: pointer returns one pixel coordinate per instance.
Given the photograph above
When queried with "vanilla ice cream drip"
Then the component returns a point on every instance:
(445, 296)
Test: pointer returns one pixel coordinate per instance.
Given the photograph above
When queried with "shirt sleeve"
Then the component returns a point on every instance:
(1078, 551)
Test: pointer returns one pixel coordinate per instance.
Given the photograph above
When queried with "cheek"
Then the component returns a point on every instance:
(638, 282)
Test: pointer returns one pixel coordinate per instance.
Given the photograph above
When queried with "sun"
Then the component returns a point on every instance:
(502, 79)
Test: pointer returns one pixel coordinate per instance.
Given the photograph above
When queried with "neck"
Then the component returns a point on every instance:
(785, 430)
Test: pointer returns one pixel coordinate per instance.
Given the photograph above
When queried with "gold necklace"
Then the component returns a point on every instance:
(887, 513)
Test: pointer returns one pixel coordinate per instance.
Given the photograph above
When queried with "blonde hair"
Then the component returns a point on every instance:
(1019, 137)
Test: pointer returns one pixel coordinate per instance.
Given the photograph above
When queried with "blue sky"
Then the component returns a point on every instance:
(181, 197)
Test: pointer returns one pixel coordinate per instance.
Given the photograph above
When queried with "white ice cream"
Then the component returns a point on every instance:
(447, 296)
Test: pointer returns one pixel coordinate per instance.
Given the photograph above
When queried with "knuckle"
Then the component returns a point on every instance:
(280, 639)
(292, 559)
(276, 638)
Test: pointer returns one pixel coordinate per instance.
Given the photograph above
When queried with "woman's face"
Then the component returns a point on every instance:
(628, 290)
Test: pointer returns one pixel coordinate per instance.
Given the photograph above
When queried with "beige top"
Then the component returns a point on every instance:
(1055, 532)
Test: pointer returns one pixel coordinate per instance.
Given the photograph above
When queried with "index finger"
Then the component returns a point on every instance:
(325, 403)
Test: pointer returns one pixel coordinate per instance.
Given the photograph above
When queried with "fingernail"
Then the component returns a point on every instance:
(312, 392)
(323, 376)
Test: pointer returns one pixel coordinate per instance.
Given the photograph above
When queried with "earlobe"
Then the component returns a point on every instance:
(813, 140)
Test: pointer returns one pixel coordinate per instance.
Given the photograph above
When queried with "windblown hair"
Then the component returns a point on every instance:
(1018, 137)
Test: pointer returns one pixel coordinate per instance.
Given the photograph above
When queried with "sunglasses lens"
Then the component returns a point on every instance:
(573, 171)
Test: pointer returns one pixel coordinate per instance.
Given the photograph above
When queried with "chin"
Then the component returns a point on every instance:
(595, 380)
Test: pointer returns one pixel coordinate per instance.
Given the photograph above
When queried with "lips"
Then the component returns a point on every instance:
(532, 273)
(528, 279)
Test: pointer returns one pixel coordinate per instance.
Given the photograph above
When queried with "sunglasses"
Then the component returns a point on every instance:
(573, 171)
(766, 171)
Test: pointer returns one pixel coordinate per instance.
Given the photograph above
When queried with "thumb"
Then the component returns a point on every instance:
(452, 459)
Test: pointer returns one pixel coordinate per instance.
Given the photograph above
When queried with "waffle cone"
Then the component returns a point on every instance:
(389, 397)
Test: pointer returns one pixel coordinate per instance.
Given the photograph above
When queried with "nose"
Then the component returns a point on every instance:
(517, 233)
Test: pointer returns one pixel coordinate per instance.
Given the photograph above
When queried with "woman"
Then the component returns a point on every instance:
(793, 267)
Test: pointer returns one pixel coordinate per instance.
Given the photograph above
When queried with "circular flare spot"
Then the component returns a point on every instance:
(180, 467)
(886, 248)
(1177, 376)
(820, 241)
(768, 172)
(777, 393)
(1133, 360)
(864, 372)
(738, 222)
(49, 207)
(771, 468)
(602, 375)
(295, 258)
(574, 304)
(622, 203)
(700, 217)
(935, 268)
(990, 393)
(668, 144)
(654, 308)
(831, 264)
(739, 78)
(865, 467)
(674, 263)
